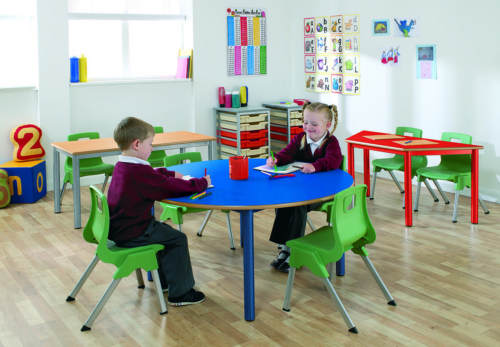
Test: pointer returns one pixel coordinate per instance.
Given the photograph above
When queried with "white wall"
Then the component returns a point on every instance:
(461, 100)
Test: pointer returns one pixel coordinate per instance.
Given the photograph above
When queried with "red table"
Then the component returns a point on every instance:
(389, 146)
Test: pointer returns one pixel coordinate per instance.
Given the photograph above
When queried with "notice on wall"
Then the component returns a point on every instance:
(426, 62)
(246, 41)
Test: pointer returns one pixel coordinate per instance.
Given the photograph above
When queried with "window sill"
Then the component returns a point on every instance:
(144, 81)
(17, 88)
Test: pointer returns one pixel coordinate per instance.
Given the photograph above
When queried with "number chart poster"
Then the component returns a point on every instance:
(246, 41)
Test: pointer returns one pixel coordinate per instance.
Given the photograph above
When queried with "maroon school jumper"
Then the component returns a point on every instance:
(326, 157)
(133, 191)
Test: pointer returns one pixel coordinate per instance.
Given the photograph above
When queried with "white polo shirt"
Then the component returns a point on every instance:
(315, 145)
(133, 160)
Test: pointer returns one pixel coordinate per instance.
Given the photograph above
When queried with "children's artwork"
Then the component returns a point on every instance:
(336, 25)
(309, 26)
(309, 46)
(351, 43)
(351, 63)
(391, 56)
(351, 85)
(322, 25)
(336, 43)
(323, 63)
(381, 27)
(322, 44)
(337, 63)
(426, 62)
(407, 27)
(310, 81)
(310, 63)
(351, 23)
(337, 85)
(323, 83)
(246, 42)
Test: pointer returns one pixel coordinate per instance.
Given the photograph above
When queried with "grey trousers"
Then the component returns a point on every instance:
(290, 223)
(174, 263)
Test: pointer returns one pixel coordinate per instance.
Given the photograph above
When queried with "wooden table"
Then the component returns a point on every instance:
(107, 147)
(389, 146)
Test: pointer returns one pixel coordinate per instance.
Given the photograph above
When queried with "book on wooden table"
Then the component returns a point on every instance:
(417, 143)
(283, 169)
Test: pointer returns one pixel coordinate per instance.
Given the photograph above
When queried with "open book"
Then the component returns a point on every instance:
(187, 178)
(284, 169)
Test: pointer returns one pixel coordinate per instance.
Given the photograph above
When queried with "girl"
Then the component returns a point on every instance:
(321, 150)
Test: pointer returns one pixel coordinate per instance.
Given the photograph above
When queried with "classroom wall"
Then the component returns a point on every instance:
(462, 99)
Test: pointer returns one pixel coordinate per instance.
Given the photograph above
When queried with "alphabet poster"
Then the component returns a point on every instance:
(246, 41)
(332, 54)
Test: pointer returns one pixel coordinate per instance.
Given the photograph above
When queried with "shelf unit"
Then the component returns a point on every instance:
(243, 127)
(287, 118)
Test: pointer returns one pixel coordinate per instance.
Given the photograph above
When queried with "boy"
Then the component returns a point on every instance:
(133, 190)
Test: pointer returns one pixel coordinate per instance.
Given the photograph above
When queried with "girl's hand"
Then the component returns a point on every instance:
(270, 162)
(307, 168)
(209, 181)
(178, 175)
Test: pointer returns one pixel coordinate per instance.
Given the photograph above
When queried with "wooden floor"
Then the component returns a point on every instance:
(443, 276)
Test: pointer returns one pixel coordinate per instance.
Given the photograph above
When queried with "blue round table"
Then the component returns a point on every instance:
(256, 193)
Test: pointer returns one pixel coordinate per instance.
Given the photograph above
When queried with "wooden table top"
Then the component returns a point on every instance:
(109, 145)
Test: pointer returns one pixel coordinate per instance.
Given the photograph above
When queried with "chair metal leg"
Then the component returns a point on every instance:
(140, 280)
(311, 224)
(429, 188)
(202, 227)
(82, 280)
(372, 196)
(486, 211)
(404, 199)
(446, 201)
(397, 182)
(417, 196)
(230, 232)
(104, 184)
(100, 305)
(159, 292)
(329, 268)
(340, 306)
(63, 190)
(280, 246)
(179, 226)
(288, 291)
(455, 205)
(376, 277)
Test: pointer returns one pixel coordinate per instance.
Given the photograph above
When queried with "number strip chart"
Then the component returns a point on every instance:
(246, 41)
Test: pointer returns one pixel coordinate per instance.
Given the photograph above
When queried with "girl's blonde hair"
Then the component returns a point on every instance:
(329, 112)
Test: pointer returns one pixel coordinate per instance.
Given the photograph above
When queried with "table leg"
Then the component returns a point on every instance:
(366, 169)
(210, 150)
(474, 187)
(340, 266)
(76, 192)
(350, 161)
(408, 193)
(182, 150)
(248, 265)
(57, 182)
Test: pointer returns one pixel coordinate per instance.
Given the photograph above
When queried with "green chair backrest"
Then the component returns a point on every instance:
(176, 159)
(89, 162)
(155, 155)
(343, 164)
(414, 131)
(97, 228)
(458, 162)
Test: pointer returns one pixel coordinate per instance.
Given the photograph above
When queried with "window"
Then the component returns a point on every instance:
(126, 39)
(18, 60)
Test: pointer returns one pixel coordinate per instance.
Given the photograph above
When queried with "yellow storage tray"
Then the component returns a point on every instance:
(293, 122)
(293, 114)
(249, 152)
(244, 127)
(296, 114)
(278, 144)
(243, 119)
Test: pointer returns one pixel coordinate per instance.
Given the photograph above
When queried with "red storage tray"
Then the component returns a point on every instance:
(245, 135)
(281, 137)
(293, 130)
(245, 143)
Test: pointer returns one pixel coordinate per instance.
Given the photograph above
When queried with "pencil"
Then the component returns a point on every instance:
(275, 167)
(198, 194)
(205, 171)
(265, 173)
(204, 196)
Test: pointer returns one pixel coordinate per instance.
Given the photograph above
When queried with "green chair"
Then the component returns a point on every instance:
(176, 213)
(351, 229)
(88, 167)
(397, 163)
(156, 158)
(452, 168)
(126, 260)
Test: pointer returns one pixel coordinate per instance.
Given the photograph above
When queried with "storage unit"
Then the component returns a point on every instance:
(242, 131)
(286, 122)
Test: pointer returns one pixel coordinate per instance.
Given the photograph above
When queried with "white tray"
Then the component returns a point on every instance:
(244, 119)
(244, 127)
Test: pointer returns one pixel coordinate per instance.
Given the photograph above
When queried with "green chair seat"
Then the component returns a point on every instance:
(156, 158)
(397, 163)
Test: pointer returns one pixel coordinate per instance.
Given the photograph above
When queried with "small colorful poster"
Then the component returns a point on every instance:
(336, 25)
(309, 26)
(351, 63)
(310, 63)
(322, 44)
(351, 24)
(426, 62)
(381, 27)
(322, 25)
(337, 64)
(351, 44)
(391, 56)
(336, 44)
(310, 81)
(309, 46)
(323, 83)
(351, 85)
(323, 64)
(337, 85)
(407, 27)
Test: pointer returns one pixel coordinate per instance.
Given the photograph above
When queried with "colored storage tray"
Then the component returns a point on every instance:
(244, 127)
(245, 143)
(293, 114)
(249, 152)
(243, 119)
(293, 130)
(293, 122)
(245, 135)
(282, 137)
(278, 144)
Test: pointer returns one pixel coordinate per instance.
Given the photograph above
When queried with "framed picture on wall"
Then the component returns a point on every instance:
(381, 27)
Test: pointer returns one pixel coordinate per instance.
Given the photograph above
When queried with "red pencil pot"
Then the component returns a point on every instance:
(238, 168)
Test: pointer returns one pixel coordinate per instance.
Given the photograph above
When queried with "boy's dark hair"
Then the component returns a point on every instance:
(131, 129)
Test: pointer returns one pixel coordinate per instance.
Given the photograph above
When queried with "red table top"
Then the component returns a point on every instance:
(360, 139)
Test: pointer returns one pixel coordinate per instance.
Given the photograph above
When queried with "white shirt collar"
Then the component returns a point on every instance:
(317, 143)
(133, 160)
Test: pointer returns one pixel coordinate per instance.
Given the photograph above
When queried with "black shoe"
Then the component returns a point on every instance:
(284, 267)
(192, 297)
(277, 262)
